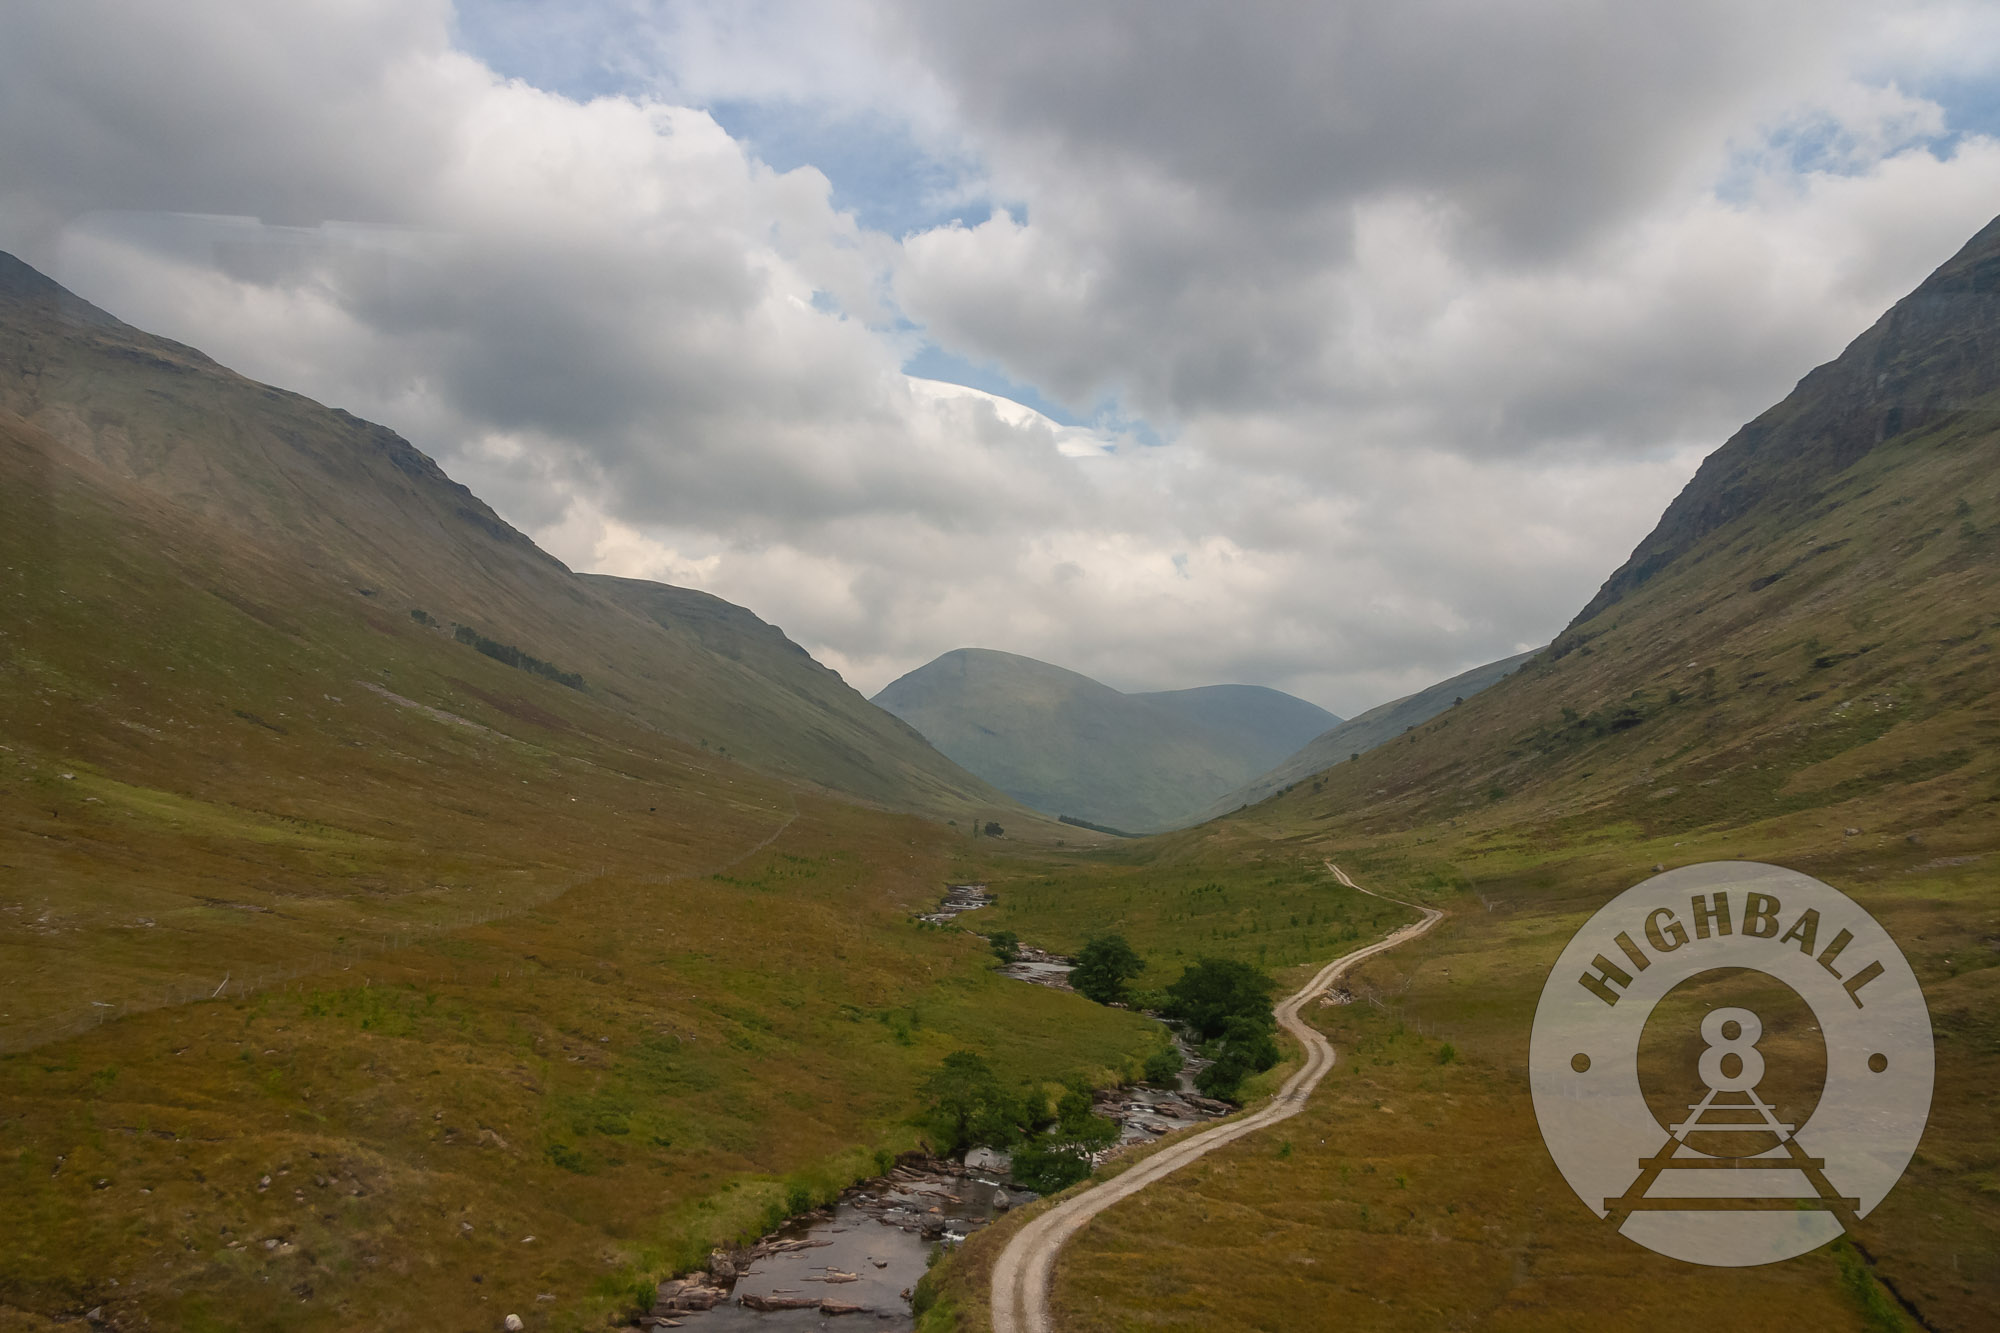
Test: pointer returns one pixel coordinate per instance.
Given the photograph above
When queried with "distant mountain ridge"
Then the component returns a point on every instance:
(1064, 744)
(1362, 733)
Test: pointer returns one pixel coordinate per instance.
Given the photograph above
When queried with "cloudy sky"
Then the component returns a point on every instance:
(1335, 347)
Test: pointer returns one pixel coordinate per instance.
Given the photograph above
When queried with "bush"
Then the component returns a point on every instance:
(1006, 945)
(1048, 1167)
(1164, 1066)
(1224, 1079)
(1102, 969)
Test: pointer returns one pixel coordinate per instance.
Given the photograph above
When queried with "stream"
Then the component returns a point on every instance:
(854, 1264)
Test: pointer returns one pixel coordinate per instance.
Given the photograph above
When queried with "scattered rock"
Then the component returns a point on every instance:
(1659, 866)
(512, 1323)
(1851, 833)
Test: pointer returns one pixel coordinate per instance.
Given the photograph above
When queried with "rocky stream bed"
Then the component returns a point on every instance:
(858, 1261)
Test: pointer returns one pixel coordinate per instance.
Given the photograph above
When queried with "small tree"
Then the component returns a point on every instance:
(1106, 964)
(993, 830)
(1214, 991)
(1006, 945)
(965, 1106)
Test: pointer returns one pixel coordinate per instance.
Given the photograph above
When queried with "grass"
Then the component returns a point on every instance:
(628, 1073)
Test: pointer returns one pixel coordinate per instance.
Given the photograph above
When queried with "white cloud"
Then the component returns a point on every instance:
(1434, 306)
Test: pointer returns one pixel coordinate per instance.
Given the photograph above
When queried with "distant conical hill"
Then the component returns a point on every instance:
(1065, 744)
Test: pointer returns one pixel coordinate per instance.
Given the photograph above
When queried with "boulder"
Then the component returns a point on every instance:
(988, 1159)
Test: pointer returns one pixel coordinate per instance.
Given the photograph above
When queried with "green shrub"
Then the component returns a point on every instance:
(1164, 1066)
(1047, 1167)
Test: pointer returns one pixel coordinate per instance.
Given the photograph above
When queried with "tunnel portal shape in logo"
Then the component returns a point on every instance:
(1721, 1176)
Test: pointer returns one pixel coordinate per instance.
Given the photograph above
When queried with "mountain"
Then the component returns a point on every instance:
(1269, 719)
(1366, 731)
(377, 521)
(1065, 744)
(1810, 627)
(1935, 354)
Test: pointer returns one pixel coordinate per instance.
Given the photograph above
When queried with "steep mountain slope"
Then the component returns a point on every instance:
(1811, 625)
(358, 505)
(1276, 722)
(1932, 355)
(1065, 744)
(1366, 731)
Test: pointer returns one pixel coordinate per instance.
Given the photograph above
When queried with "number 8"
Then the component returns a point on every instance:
(1741, 1043)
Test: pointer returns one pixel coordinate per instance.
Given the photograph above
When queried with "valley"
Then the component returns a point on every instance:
(402, 930)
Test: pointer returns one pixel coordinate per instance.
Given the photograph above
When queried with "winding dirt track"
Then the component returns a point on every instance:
(1022, 1274)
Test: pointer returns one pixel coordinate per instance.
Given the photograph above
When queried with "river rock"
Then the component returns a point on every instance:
(681, 1295)
(988, 1159)
(769, 1303)
(722, 1265)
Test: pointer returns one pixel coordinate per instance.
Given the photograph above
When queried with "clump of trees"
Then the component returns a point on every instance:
(1060, 1156)
(1105, 968)
(966, 1106)
(1226, 1004)
(511, 656)
(1006, 945)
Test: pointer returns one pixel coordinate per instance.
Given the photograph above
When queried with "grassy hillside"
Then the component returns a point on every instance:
(1357, 735)
(1062, 743)
(377, 520)
(1806, 678)
(343, 956)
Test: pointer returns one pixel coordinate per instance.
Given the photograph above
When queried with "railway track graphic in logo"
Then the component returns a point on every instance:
(1731, 1063)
